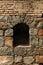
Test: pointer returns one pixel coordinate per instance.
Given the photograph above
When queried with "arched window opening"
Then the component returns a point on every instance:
(20, 34)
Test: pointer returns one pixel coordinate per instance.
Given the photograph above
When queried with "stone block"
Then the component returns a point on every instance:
(1, 41)
(6, 60)
(34, 41)
(19, 51)
(40, 40)
(18, 59)
(33, 31)
(6, 51)
(1, 32)
(28, 60)
(39, 59)
(1, 24)
(9, 32)
(40, 25)
(35, 64)
(40, 32)
(9, 41)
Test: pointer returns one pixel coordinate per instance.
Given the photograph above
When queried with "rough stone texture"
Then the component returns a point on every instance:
(41, 41)
(1, 32)
(40, 25)
(11, 13)
(33, 31)
(28, 60)
(39, 59)
(40, 32)
(18, 59)
(6, 51)
(9, 32)
(9, 41)
(34, 41)
(6, 60)
(19, 51)
(1, 41)
(35, 64)
(1, 24)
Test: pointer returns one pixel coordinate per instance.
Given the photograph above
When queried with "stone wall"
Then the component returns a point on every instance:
(31, 13)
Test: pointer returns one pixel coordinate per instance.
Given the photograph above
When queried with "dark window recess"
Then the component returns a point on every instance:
(42, 15)
(20, 34)
(41, 64)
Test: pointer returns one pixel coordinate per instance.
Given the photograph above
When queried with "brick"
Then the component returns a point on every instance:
(39, 59)
(8, 41)
(40, 32)
(7, 7)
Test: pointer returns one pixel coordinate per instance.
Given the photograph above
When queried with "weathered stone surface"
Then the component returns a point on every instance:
(18, 63)
(9, 41)
(6, 51)
(28, 19)
(7, 25)
(41, 41)
(19, 51)
(40, 25)
(14, 19)
(18, 59)
(1, 32)
(33, 31)
(5, 21)
(3, 18)
(1, 24)
(39, 59)
(35, 64)
(1, 41)
(15, 11)
(28, 60)
(6, 60)
(32, 52)
(9, 32)
(34, 41)
(33, 24)
(40, 32)
(41, 51)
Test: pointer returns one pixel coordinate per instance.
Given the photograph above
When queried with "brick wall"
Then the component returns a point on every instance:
(11, 13)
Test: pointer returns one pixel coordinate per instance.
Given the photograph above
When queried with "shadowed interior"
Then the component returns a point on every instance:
(41, 64)
(20, 34)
